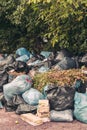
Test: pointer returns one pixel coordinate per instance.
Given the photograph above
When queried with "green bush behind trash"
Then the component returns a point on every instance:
(61, 23)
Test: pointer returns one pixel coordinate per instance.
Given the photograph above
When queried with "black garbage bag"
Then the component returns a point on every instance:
(31, 60)
(12, 104)
(40, 57)
(25, 108)
(9, 106)
(3, 79)
(17, 100)
(76, 59)
(18, 105)
(63, 53)
(66, 63)
(84, 60)
(38, 64)
(2, 99)
(8, 60)
(18, 66)
(21, 66)
(45, 63)
(60, 98)
(9, 67)
(80, 86)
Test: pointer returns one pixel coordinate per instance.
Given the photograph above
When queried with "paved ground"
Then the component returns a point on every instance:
(8, 122)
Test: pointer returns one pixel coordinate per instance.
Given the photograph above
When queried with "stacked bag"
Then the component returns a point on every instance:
(61, 101)
(43, 109)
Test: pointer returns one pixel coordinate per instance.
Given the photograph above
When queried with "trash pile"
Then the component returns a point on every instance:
(45, 87)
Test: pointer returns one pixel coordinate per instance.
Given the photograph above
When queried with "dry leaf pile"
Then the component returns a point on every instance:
(61, 78)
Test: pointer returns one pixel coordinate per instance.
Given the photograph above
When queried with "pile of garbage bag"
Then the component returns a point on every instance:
(29, 81)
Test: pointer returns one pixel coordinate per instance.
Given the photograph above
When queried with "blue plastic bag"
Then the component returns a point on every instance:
(22, 51)
(80, 107)
(23, 58)
(46, 54)
(1, 106)
(32, 96)
(19, 85)
(44, 91)
(43, 69)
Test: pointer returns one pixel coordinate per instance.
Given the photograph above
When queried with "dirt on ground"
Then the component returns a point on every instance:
(11, 121)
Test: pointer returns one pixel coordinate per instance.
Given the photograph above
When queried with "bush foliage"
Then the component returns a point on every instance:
(62, 23)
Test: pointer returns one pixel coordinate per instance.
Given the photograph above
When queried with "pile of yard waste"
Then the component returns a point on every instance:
(61, 78)
(44, 87)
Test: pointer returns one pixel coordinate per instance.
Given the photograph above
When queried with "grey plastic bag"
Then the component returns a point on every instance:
(66, 115)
